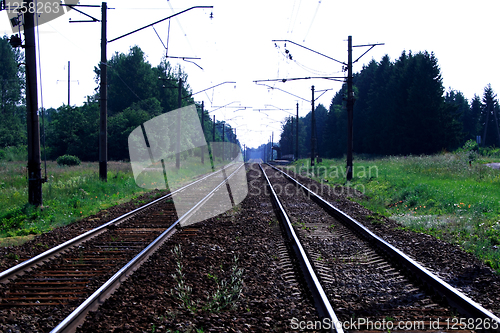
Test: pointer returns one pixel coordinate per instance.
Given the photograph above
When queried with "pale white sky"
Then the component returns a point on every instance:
(236, 45)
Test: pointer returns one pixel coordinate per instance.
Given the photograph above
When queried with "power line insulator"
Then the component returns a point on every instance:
(15, 41)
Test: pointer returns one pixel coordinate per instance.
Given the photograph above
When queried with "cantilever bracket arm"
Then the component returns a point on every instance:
(289, 41)
(79, 11)
(269, 87)
(166, 18)
(324, 91)
(371, 47)
(212, 87)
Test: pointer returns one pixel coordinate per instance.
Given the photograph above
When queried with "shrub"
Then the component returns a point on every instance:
(15, 153)
(68, 160)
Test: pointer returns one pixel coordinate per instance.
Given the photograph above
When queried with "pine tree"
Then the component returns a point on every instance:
(489, 118)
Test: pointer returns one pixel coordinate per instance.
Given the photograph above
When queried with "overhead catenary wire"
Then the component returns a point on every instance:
(182, 29)
(312, 21)
(295, 21)
(291, 15)
(166, 47)
(125, 83)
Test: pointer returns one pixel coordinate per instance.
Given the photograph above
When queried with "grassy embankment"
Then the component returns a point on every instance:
(440, 195)
(70, 194)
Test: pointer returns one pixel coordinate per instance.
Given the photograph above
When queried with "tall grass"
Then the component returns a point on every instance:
(69, 194)
(442, 195)
(15, 153)
(74, 192)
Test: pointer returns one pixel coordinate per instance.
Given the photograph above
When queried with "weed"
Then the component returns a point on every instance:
(182, 290)
(228, 291)
(12, 256)
(80, 257)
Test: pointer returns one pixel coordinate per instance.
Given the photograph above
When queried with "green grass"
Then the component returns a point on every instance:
(71, 193)
(441, 195)
(17, 153)
(75, 192)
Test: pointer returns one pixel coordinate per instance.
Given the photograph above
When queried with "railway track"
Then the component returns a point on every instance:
(59, 286)
(359, 281)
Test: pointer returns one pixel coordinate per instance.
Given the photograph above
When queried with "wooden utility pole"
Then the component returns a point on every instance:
(33, 125)
(350, 107)
(103, 122)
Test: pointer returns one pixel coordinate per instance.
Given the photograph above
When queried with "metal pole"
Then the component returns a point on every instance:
(486, 126)
(33, 125)
(234, 152)
(272, 145)
(350, 105)
(223, 139)
(203, 129)
(297, 134)
(103, 122)
(213, 131)
(313, 134)
(69, 82)
(178, 143)
(496, 123)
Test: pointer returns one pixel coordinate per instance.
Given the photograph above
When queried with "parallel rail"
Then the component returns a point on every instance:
(455, 298)
(321, 301)
(10, 273)
(76, 318)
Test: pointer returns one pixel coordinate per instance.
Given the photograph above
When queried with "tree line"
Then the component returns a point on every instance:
(400, 108)
(137, 92)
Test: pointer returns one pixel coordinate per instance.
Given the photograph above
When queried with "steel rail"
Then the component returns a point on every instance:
(30, 263)
(321, 301)
(455, 298)
(76, 318)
